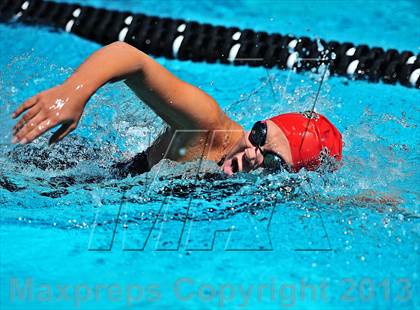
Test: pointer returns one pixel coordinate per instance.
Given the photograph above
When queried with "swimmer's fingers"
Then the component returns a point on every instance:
(27, 128)
(37, 131)
(26, 118)
(63, 131)
(24, 106)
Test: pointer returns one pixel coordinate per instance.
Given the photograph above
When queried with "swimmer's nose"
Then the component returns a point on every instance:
(251, 157)
(241, 162)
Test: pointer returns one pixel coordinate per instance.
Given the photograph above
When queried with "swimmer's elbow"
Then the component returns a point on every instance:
(122, 46)
(126, 59)
(127, 49)
(116, 44)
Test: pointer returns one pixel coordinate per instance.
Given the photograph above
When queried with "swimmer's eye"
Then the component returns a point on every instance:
(274, 162)
(258, 134)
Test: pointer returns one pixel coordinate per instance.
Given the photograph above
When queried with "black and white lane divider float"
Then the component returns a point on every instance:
(189, 40)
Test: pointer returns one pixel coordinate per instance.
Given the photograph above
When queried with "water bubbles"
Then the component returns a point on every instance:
(320, 47)
(386, 221)
(39, 81)
(58, 104)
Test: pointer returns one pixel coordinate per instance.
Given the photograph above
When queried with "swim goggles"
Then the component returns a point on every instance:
(257, 137)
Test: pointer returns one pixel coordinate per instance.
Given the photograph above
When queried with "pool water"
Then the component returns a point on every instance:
(76, 236)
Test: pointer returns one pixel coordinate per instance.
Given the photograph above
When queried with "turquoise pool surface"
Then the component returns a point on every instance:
(72, 235)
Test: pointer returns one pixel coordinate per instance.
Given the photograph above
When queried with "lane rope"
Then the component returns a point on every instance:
(190, 40)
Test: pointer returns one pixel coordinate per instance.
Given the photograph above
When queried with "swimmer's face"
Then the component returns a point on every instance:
(246, 157)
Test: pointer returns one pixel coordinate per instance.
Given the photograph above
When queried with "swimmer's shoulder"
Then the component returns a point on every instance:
(223, 138)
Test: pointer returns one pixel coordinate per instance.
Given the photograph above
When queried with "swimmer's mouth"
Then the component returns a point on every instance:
(235, 165)
(230, 167)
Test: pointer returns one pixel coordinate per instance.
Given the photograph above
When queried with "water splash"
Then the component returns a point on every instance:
(116, 126)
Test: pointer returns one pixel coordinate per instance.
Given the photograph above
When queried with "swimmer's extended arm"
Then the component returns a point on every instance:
(180, 104)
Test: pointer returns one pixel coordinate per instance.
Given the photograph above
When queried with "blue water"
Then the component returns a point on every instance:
(344, 240)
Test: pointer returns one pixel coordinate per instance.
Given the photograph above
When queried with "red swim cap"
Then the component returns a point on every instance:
(321, 138)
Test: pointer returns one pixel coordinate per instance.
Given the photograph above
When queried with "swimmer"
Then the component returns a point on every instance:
(197, 126)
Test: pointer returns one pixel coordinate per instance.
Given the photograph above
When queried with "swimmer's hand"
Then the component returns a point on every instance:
(62, 105)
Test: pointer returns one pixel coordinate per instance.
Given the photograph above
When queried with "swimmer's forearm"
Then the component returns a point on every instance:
(178, 103)
(112, 62)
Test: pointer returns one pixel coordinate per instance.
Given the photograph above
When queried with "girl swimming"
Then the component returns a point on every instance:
(197, 125)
